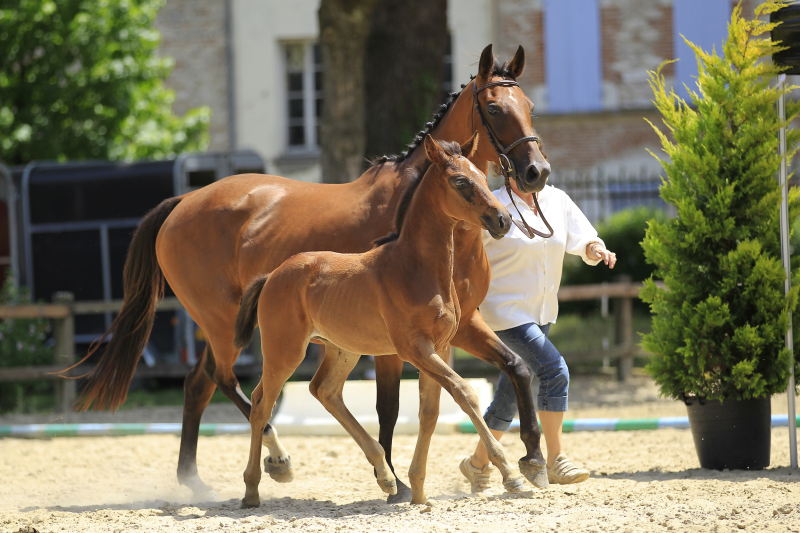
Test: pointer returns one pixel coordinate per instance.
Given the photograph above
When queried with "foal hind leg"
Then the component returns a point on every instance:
(427, 360)
(477, 338)
(277, 464)
(197, 392)
(429, 395)
(326, 386)
(388, 370)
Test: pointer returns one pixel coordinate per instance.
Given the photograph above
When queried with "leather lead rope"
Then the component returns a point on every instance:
(506, 166)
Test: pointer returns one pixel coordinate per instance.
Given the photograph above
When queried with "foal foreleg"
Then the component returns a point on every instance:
(430, 363)
(477, 338)
(326, 386)
(429, 395)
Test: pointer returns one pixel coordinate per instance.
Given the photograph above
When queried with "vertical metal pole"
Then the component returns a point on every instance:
(105, 257)
(64, 334)
(785, 256)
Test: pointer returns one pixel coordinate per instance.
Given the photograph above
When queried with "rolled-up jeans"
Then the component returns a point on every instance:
(530, 342)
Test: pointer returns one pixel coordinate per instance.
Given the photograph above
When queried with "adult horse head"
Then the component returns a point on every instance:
(504, 111)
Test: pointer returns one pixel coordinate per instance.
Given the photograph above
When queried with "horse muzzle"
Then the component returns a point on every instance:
(497, 222)
(534, 178)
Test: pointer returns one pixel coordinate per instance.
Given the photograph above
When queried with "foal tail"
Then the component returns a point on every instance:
(107, 384)
(248, 312)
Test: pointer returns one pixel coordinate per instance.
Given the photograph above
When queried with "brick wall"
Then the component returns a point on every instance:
(193, 34)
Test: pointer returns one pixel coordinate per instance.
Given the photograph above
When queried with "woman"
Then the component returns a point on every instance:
(520, 307)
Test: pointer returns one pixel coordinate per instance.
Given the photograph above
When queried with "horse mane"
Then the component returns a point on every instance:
(452, 149)
(498, 69)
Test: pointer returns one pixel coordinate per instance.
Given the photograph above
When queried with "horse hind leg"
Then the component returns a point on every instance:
(326, 386)
(388, 370)
(277, 464)
(197, 390)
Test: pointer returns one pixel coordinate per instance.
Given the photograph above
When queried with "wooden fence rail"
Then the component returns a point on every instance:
(62, 312)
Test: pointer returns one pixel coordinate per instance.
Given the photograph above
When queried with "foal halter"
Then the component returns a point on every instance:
(506, 165)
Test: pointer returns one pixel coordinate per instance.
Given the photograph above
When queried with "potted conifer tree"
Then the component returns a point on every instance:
(719, 323)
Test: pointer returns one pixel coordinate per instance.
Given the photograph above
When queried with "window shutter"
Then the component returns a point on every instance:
(704, 24)
(572, 55)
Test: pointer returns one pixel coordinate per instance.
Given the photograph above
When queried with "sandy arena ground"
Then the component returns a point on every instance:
(641, 481)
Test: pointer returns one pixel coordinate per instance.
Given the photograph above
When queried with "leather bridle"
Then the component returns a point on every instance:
(506, 165)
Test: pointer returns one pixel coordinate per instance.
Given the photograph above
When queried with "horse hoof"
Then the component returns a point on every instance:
(249, 504)
(514, 485)
(388, 485)
(279, 471)
(403, 495)
(535, 472)
(207, 496)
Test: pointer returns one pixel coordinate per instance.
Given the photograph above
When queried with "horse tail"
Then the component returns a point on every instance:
(248, 312)
(107, 384)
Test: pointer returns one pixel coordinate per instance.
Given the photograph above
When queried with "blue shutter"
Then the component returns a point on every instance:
(704, 24)
(572, 55)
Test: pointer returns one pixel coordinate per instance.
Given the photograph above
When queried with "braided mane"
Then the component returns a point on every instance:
(498, 69)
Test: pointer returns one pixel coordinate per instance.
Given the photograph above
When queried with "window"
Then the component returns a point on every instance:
(703, 23)
(304, 95)
(572, 55)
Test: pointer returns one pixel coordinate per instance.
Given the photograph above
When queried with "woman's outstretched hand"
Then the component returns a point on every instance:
(595, 250)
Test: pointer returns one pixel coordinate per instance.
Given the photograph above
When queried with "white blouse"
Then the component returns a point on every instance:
(526, 273)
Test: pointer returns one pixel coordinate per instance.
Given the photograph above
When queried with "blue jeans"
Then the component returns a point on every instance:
(530, 342)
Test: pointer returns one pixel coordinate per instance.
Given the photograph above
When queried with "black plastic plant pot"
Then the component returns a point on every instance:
(733, 434)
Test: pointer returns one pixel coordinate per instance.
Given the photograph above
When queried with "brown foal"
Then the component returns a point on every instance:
(398, 298)
(211, 243)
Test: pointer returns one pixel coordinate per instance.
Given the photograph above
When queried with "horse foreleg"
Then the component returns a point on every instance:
(197, 391)
(429, 393)
(388, 370)
(326, 386)
(478, 339)
(428, 361)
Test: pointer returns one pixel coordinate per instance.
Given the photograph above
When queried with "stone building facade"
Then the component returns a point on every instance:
(231, 55)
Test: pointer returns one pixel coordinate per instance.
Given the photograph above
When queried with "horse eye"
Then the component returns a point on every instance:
(461, 183)
(493, 109)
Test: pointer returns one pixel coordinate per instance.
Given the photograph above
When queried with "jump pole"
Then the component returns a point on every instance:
(785, 256)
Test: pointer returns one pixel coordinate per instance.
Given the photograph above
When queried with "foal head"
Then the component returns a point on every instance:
(466, 192)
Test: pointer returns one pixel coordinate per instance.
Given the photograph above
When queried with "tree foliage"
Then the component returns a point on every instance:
(718, 329)
(80, 79)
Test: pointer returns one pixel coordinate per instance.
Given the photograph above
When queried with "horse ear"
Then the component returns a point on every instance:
(469, 148)
(434, 151)
(517, 65)
(486, 63)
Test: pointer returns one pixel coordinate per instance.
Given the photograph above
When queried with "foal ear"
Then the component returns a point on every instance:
(486, 63)
(434, 151)
(469, 148)
(517, 65)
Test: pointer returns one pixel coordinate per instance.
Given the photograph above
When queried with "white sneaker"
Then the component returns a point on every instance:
(478, 478)
(563, 472)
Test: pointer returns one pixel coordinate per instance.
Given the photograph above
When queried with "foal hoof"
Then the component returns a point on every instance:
(250, 503)
(535, 471)
(403, 494)
(280, 471)
(514, 485)
(388, 485)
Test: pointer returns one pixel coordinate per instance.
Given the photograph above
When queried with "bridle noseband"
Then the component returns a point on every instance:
(506, 165)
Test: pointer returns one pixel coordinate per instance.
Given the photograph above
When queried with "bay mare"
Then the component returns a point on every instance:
(211, 243)
(398, 298)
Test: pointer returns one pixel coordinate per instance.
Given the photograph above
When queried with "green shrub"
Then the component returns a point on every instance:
(22, 343)
(718, 329)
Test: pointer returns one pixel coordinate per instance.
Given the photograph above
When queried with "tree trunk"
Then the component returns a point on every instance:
(343, 27)
(404, 71)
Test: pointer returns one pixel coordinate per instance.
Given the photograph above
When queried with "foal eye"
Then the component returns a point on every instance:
(461, 183)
